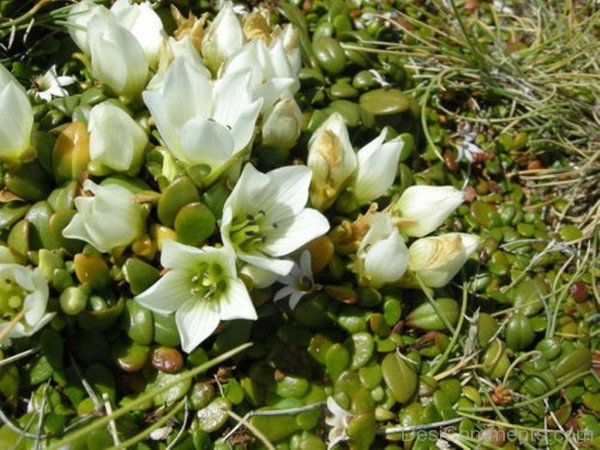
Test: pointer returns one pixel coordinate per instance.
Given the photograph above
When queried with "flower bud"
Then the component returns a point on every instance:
(436, 260)
(271, 75)
(109, 219)
(331, 159)
(377, 165)
(79, 16)
(118, 59)
(144, 24)
(382, 256)
(16, 119)
(223, 38)
(116, 140)
(422, 209)
(281, 127)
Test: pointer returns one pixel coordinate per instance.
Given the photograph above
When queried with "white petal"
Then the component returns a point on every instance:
(273, 90)
(436, 260)
(21, 330)
(206, 142)
(277, 266)
(295, 299)
(231, 95)
(196, 321)
(294, 232)
(116, 140)
(260, 278)
(427, 207)
(286, 194)
(167, 128)
(284, 292)
(470, 243)
(282, 126)
(336, 409)
(169, 293)
(386, 260)
(77, 20)
(305, 264)
(76, 230)
(35, 304)
(223, 37)
(185, 257)
(118, 60)
(243, 128)
(187, 93)
(16, 121)
(242, 199)
(377, 165)
(236, 302)
(141, 20)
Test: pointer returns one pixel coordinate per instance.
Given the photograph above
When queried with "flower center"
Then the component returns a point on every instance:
(208, 281)
(305, 284)
(11, 298)
(247, 232)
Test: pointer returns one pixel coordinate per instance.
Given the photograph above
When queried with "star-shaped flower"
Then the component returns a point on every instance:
(201, 288)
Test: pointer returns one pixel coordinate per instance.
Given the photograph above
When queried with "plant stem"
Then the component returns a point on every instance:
(145, 397)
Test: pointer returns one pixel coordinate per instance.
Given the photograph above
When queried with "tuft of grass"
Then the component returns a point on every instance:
(512, 67)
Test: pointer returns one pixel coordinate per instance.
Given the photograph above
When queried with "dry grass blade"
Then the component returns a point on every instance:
(539, 76)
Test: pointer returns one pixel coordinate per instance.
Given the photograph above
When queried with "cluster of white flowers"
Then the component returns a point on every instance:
(383, 257)
(210, 93)
(206, 100)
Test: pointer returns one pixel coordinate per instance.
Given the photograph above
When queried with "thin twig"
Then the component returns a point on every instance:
(255, 431)
(19, 356)
(420, 427)
(112, 426)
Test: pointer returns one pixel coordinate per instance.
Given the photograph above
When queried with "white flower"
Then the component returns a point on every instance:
(331, 159)
(298, 283)
(223, 37)
(16, 118)
(437, 259)
(377, 166)
(116, 140)
(145, 25)
(265, 217)
(382, 256)
(201, 288)
(118, 59)
(422, 209)
(282, 125)
(468, 150)
(272, 78)
(139, 19)
(109, 219)
(51, 85)
(338, 421)
(77, 21)
(199, 121)
(23, 288)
